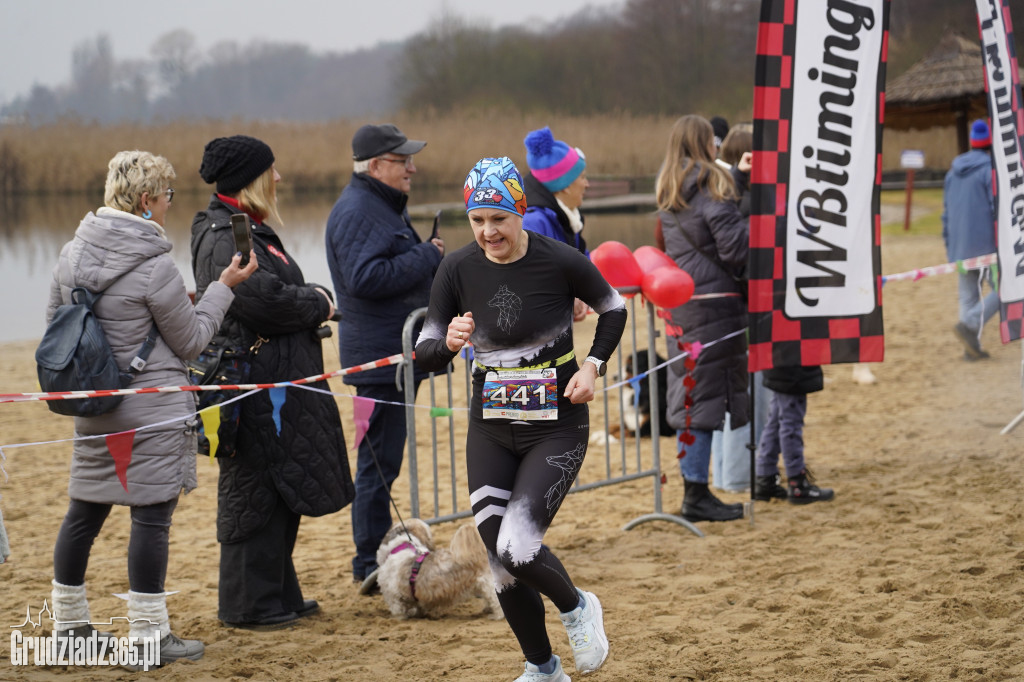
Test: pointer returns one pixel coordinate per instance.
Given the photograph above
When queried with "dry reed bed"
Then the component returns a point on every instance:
(71, 156)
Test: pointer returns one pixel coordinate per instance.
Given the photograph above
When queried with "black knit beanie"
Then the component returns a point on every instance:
(234, 162)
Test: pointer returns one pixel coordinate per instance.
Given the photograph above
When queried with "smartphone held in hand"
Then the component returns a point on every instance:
(243, 235)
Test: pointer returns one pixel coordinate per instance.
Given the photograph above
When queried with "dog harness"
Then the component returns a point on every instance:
(415, 566)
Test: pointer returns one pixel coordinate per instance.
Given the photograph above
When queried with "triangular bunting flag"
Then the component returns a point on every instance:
(277, 398)
(362, 408)
(120, 446)
(211, 425)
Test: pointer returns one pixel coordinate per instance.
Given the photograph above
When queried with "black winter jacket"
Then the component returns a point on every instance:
(718, 228)
(794, 380)
(381, 271)
(296, 449)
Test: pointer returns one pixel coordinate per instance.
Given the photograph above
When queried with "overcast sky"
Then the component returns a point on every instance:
(37, 36)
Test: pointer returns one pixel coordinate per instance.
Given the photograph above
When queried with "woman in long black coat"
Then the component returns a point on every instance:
(707, 236)
(290, 458)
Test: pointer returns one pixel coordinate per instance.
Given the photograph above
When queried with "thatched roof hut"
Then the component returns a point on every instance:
(946, 88)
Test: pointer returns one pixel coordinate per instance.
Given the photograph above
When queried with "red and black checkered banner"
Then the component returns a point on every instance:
(815, 225)
(1002, 86)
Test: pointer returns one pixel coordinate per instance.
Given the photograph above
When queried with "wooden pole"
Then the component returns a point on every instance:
(910, 193)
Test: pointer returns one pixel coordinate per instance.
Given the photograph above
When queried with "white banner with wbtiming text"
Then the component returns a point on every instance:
(833, 159)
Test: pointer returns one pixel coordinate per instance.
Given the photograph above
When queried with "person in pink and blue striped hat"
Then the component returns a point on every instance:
(554, 188)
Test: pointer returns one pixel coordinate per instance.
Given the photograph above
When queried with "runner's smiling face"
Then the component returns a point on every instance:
(499, 233)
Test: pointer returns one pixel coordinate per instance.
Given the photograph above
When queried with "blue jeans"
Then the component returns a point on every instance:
(371, 508)
(730, 457)
(694, 465)
(976, 310)
(783, 433)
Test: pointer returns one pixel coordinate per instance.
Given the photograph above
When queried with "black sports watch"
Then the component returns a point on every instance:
(601, 365)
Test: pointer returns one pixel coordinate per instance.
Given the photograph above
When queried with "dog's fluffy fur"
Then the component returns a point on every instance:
(446, 577)
(637, 410)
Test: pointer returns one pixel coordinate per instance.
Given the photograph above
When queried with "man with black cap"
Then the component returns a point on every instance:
(382, 271)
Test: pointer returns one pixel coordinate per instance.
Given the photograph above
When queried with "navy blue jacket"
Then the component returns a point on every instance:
(381, 270)
(544, 216)
(968, 225)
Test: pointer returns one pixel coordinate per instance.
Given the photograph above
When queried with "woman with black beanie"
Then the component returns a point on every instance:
(289, 457)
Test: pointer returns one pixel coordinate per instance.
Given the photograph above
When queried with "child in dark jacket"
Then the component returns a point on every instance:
(784, 433)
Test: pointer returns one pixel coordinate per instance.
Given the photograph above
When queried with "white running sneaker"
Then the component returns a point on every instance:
(533, 674)
(585, 625)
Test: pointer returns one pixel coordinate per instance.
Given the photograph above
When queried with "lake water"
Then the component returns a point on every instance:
(33, 231)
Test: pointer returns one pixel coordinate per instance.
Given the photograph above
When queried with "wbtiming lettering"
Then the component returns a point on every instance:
(835, 128)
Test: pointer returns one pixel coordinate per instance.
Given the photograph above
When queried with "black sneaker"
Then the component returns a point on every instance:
(767, 488)
(969, 339)
(803, 491)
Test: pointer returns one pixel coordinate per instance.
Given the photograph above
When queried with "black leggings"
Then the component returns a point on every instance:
(519, 474)
(147, 545)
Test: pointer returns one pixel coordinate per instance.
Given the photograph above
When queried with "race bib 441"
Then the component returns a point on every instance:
(527, 395)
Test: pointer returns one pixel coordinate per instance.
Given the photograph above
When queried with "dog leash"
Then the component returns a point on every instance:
(380, 472)
(416, 565)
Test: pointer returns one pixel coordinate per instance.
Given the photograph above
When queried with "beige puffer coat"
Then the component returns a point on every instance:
(129, 259)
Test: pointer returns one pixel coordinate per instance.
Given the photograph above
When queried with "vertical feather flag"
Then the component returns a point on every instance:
(815, 226)
(120, 446)
(1002, 86)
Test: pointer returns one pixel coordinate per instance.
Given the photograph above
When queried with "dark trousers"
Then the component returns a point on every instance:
(257, 576)
(147, 543)
(371, 508)
(783, 433)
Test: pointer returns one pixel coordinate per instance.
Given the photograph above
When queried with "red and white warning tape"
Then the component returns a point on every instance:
(946, 268)
(72, 395)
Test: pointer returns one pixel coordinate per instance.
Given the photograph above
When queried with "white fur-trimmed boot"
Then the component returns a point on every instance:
(147, 617)
(71, 613)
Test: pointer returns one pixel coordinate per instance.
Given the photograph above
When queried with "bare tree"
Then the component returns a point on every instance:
(175, 55)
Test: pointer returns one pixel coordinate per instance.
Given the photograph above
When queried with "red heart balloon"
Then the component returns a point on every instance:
(668, 287)
(617, 264)
(651, 258)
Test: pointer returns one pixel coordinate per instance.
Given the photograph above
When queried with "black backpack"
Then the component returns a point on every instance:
(74, 356)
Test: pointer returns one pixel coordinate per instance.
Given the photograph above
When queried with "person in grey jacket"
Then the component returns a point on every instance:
(122, 251)
(968, 228)
(707, 236)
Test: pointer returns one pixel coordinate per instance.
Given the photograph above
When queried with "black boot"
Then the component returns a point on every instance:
(803, 491)
(767, 488)
(699, 504)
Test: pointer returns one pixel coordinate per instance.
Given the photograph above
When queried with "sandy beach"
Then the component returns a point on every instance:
(914, 572)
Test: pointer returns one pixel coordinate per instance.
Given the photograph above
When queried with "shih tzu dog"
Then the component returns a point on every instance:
(419, 580)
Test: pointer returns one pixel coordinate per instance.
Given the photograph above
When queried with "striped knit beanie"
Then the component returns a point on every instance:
(555, 164)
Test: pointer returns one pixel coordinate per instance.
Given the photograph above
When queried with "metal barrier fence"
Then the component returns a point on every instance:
(449, 397)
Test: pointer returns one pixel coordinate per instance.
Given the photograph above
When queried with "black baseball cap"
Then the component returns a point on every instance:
(370, 141)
